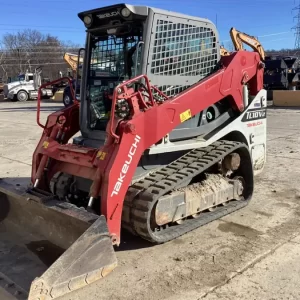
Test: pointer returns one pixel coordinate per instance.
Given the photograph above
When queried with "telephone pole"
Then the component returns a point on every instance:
(297, 27)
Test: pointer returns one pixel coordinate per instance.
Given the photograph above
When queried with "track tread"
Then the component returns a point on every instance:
(140, 201)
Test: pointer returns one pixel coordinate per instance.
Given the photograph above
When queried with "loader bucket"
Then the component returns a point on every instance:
(49, 248)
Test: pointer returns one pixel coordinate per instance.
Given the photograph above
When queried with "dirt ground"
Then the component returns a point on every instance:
(253, 253)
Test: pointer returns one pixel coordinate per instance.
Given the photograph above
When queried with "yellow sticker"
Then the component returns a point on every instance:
(185, 115)
(101, 155)
(45, 144)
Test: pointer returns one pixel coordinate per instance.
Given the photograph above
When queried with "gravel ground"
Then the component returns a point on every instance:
(253, 253)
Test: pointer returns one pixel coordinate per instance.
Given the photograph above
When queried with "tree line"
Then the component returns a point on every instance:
(26, 50)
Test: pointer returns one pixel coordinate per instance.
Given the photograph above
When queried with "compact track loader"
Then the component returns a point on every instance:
(171, 136)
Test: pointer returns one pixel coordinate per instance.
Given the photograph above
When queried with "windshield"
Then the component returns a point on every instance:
(113, 60)
(15, 79)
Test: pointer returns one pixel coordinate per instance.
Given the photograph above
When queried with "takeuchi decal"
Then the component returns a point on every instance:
(108, 15)
(126, 166)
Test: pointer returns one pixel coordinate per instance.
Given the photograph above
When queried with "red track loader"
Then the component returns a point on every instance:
(171, 135)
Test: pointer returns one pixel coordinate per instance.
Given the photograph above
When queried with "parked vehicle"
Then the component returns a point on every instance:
(25, 87)
(67, 95)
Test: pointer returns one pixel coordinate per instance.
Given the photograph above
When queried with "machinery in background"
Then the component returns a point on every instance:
(26, 87)
(72, 60)
(293, 72)
(1, 89)
(1, 85)
(239, 38)
(171, 135)
(275, 75)
(282, 73)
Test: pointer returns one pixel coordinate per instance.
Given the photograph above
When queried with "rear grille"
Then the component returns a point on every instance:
(184, 50)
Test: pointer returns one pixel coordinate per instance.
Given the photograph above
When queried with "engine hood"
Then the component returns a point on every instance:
(10, 86)
(13, 84)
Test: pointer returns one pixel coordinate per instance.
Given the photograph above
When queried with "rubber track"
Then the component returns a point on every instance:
(143, 195)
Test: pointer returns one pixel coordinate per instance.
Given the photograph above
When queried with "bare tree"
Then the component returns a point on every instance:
(29, 49)
(3, 73)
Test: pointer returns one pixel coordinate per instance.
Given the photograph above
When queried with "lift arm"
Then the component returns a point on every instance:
(238, 38)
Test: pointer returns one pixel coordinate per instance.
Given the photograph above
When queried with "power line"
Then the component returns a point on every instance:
(32, 59)
(271, 34)
(45, 43)
(38, 54)
(41, 30)
(36, 50)
(265, 35)
(41, 26)
(297, 27)
(278, 40)
(40, 64)
(46, 47)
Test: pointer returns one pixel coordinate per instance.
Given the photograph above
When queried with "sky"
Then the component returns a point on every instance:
(270, 20)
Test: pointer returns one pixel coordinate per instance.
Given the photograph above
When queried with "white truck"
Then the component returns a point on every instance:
(26, 87)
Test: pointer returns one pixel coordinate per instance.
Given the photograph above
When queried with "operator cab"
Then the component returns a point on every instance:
(175, 51)
(111, 62)
(114, 36)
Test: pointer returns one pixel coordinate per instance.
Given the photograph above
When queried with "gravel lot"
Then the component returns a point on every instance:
(251, 254)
